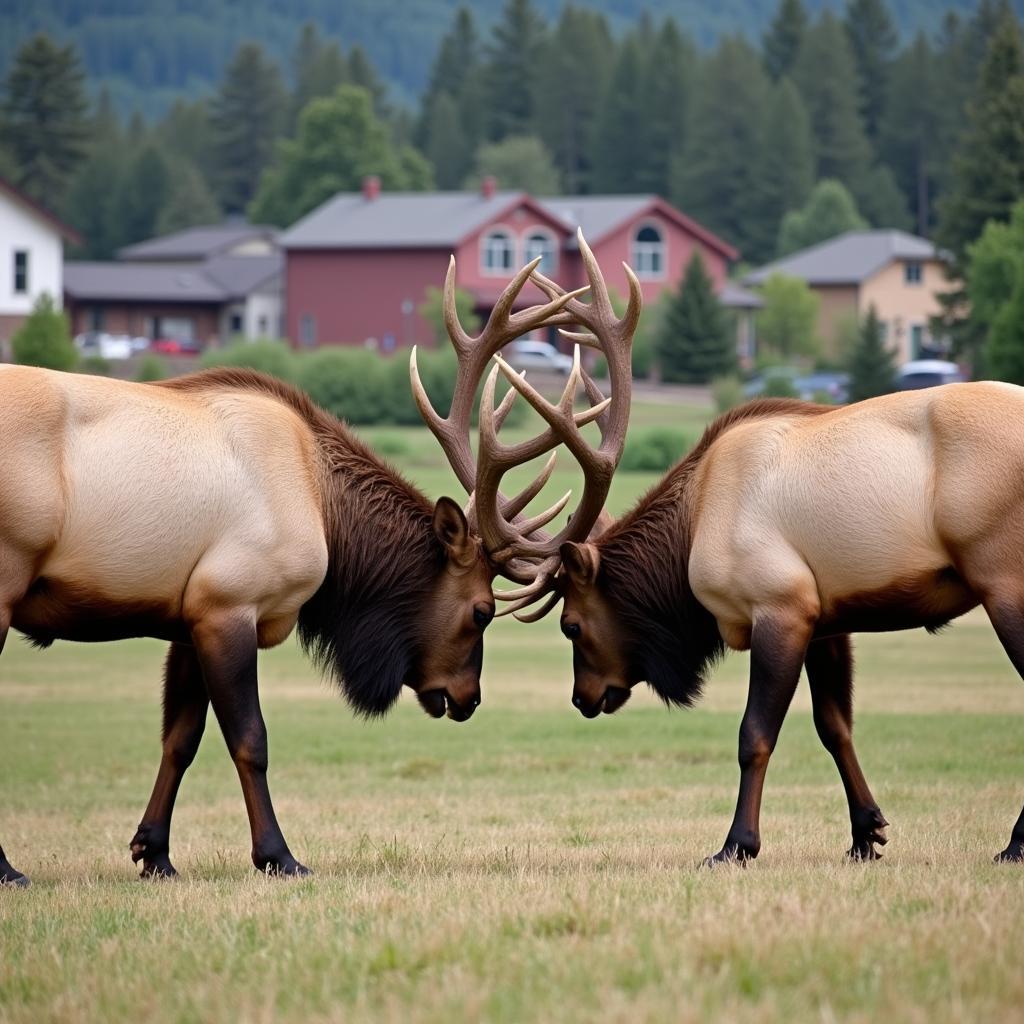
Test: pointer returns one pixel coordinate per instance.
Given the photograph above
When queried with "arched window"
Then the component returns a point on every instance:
(648, 252)
(541, 243)
(497, 252)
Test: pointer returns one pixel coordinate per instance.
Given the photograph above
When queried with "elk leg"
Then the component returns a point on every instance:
(777, 651)
(1006, 619)
(185, 706)
(227, 653)
(8, 874)
(829, 664)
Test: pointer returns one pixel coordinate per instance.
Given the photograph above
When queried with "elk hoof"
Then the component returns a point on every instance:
(731, 853)
(12, 879)
(863, 849)
(286, 866)
(151, 849)
(1013, 854)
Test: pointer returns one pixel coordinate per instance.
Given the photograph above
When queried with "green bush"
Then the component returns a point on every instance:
(779, 387)
(151, 367)
(727, 393)
(655, 450)
(98, 366)
(390, 445)
(273, 357)
(44, 339)
(351, 383)
(437, 372)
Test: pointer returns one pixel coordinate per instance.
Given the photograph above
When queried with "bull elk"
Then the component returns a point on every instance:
(219, 510)
(787, 528)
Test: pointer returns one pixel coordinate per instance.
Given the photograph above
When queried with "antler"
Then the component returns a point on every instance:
(520, 549)
(613, 336)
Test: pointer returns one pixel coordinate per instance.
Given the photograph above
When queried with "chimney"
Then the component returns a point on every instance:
(371, 187)
(488, 186)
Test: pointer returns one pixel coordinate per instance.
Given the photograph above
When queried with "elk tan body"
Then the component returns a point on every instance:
(788, 527)
(130, 509)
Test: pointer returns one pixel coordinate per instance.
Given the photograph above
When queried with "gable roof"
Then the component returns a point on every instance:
(423, 220)
(220, 280)
(23, 199)
(198, 243)
(849, 258)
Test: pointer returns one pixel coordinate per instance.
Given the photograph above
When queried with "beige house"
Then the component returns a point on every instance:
(897, 273)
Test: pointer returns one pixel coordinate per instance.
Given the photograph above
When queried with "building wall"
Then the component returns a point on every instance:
(23, 229)
(903, 306)
(356, 295)
(262, 315)
(836, 304)
(135, 319)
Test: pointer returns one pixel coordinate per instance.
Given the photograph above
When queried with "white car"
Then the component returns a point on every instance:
(106, 346)
(927, 373)
(537, 355)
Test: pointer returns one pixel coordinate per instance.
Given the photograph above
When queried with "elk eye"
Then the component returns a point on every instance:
(482, 617)
(571, 630)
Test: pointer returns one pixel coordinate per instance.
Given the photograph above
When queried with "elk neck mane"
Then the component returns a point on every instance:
(362, 625)
(672, 639)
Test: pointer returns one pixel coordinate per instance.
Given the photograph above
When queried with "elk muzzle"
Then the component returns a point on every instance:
(438, 703)
(610, 700)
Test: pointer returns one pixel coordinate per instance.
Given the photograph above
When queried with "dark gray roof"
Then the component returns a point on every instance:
(848, 259)
(597, 215)
(392, 220)
(197, 243)
(240, 275)
(735, 297)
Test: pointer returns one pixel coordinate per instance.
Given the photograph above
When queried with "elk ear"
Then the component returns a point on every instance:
(452, 530)
(581, 562)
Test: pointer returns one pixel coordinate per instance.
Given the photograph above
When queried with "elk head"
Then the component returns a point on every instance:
(508, 543)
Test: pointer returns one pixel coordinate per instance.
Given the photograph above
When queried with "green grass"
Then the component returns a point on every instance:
(527, 865)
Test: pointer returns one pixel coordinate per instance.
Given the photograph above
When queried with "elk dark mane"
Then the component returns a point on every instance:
(644, 570)
(362, 624)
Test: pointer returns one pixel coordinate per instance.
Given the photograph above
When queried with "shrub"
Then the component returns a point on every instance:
(351, 383)
(727, 393)
(655, 450)
(437, 372)
(44, 339)
(273, 357)
(98, 366)
(390, 445)
(151, 367)
(777, 386)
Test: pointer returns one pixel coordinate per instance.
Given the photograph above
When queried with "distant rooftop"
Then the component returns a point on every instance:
(204, 242)
(849, 258)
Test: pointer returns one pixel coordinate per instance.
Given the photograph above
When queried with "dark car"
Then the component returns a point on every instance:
(927, 373)
(810, 386)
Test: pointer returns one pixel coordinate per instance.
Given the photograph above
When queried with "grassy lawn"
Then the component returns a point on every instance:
(527, 865)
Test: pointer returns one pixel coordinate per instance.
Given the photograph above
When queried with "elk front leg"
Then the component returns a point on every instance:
(829, 664)
(185, 707)
(777, 648)
(227, 653)
(8, 874)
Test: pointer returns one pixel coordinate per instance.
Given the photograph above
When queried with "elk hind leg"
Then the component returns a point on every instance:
(8, 874)
(829, 665)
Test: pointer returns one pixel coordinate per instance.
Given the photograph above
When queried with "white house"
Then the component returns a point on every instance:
(31, 257)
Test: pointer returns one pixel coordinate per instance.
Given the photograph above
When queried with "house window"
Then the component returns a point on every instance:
(307, 330)
(236, 323)
(540, 243)
(912, 273)
(498, 252)
(649, 252)
(96, 318)
(261, 326)
(20, 271)
(916, 340)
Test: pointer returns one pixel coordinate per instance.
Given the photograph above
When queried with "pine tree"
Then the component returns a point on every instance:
(189, 201)
(665, 93)
(363, 74)
(446, 146)
(145, 190)
(785, 169)
(827, 79)
(618, 128)
(246, 116)
(716, 176)
(44, 339)
(695, 344)
(988, 168)
(318, 68)
(873, 41)
(512, 56)
(185, 131)
(572, 78)
(43, 118)
(781, 42)
(872, 365)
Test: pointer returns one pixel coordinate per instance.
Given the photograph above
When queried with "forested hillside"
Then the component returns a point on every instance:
(147, 52)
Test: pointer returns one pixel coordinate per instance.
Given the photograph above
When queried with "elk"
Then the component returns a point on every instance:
(219, 510)
(787, 528)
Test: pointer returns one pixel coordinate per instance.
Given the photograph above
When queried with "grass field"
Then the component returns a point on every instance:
(527, 865)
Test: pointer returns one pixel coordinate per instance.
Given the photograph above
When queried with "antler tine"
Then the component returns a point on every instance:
(538, 613)
(456, 332)
(515, 505)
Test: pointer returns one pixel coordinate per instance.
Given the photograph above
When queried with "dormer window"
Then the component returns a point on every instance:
(540, 243)
(648, 256)
(912, 272)
(497, 251)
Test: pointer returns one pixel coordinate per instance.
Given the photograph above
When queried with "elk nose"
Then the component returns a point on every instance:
(577, 702)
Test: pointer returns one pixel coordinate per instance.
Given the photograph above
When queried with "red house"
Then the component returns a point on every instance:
(357, 268)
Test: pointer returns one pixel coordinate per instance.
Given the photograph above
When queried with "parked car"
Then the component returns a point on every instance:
(809, 386)
(537, 355)
(175, 346)
(927, 373)
(106, 346)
